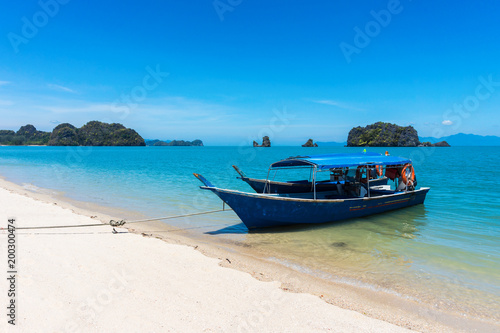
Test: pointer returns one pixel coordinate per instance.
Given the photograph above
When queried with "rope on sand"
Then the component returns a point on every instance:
(122, 222)
(118, 223)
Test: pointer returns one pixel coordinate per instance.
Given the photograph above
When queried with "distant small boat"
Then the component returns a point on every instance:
(351, 194)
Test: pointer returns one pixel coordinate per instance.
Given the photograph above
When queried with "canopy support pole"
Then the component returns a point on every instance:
(314, 181)
(368, 172)
(267, 182)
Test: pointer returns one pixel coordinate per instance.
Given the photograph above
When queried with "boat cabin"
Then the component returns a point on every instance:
(341, 176)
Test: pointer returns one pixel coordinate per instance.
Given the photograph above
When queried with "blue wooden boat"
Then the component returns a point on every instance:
(353, 195)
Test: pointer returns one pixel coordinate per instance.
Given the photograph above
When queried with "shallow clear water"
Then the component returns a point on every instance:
(447, 250)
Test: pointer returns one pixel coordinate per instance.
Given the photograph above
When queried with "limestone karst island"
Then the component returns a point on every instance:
(93, 133)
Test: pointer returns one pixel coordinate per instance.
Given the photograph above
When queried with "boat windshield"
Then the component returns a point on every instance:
(291, 174)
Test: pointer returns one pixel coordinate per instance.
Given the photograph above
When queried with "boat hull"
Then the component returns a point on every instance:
(264, 210)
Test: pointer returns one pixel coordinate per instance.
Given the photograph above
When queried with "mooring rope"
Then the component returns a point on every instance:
(122, 222)
(118, 223)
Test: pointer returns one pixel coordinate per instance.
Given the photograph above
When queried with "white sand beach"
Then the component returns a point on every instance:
(91, 280)
(88, 279)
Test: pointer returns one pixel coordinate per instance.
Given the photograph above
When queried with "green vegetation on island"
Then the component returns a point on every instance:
(94, 133)
(383, 135)
(387, 135)
(26, 135)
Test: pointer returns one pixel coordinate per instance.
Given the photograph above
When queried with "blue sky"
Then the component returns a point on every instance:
(230, 71)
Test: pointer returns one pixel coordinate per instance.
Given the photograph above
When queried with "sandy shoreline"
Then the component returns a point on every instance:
(88, 279)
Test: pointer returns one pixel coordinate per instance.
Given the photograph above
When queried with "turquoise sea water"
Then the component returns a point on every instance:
(445, 252)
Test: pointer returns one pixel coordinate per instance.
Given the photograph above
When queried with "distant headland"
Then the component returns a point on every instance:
(175, 143)
(93, 133)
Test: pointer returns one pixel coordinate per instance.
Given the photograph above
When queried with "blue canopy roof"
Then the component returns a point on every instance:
(329, 161)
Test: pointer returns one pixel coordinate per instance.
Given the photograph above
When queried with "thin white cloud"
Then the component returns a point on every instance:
(4, 102)
(3, 83)
(447, 122)
(175, 109)
(61, 88)
(337, 104)
(327, 102)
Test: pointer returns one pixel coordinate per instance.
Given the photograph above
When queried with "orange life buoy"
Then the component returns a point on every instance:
(380, 170)
(408, 174)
